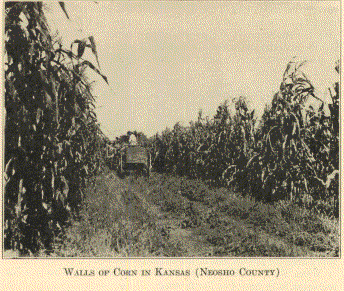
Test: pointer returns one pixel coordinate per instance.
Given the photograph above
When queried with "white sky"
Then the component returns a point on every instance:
(166, 60)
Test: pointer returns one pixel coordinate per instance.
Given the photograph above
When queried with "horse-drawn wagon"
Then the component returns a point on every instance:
(134, 158)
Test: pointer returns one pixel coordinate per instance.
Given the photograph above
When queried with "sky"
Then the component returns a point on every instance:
(167, 60)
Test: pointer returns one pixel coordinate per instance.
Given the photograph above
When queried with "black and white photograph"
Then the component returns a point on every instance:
(171, 129)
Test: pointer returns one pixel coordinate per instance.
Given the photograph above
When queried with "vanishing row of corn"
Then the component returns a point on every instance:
(292, 153)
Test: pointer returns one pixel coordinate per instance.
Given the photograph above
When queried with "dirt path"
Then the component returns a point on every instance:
(192, 236)
(185, 239)
(191, 244)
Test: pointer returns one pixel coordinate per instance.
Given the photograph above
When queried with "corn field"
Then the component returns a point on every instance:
(54, 145)
(53, 142)
(292, 153)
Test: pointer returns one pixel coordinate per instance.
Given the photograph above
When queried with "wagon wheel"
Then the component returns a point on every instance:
(147, 171)
(148, 166)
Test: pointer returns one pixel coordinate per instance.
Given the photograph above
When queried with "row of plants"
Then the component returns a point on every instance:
(292, 153)
(53, 142)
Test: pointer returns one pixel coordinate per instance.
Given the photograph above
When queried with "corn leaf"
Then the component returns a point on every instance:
(62, 4)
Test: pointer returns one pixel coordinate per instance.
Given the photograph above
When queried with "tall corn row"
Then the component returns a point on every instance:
(50, 129)
(292, 154)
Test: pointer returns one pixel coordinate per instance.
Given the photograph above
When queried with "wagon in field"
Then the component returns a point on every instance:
(134, 158)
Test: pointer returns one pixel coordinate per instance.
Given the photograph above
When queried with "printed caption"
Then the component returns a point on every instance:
(162, 272)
